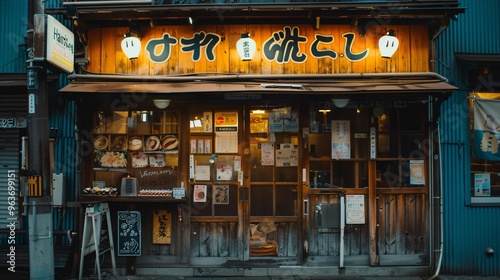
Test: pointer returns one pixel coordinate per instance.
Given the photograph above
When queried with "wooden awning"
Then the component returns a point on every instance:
(382, 83)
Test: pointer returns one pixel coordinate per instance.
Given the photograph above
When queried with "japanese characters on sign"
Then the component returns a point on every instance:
(283, 46)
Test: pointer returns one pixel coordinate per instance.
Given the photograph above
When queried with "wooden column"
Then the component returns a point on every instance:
(372, 212)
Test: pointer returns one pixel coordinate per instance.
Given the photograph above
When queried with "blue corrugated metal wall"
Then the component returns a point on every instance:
(13, 15)
(14, 24)
(468, 229)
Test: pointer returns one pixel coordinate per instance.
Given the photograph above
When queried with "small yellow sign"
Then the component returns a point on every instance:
(226, 119)
(162, 227)
(35, 186)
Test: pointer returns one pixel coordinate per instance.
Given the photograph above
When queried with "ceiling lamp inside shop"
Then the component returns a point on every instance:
(161, 103)
(340, 103)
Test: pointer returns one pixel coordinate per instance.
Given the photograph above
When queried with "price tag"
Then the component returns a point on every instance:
(179, 192)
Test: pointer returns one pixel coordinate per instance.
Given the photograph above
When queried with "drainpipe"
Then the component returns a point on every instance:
(441, 230)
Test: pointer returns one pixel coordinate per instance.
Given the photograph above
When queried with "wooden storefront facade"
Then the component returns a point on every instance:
(261, 152)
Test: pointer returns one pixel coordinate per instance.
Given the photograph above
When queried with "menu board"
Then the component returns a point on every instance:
(129, 233)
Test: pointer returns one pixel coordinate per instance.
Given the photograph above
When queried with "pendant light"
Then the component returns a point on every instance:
(131, 45)
(246, 47)
(388, 44)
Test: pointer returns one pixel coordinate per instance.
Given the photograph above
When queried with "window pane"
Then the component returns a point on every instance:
(388, 174)
(345, 172)
(226, 200)
(261, 201)
(286, 174)
(286, 200)
(202, 208)
(412, 145)
(485, 174)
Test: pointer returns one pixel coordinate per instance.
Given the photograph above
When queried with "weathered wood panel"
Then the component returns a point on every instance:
(216, 239)
(326, 242)
(402, 228)
(403, 224)
(106, 55)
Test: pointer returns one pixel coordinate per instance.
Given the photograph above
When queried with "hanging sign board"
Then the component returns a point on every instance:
(53, 43)
(129, 233)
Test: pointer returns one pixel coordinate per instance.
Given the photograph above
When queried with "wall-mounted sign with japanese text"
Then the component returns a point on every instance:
(18, 122)
(162, 227)
(297, 49)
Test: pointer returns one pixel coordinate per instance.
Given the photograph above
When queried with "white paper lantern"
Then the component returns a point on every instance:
(246, 47)
(131, 46)
(388, 44)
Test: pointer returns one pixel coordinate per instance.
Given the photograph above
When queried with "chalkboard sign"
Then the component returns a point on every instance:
(129, 233)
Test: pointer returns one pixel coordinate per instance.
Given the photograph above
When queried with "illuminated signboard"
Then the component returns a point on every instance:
(54, 43)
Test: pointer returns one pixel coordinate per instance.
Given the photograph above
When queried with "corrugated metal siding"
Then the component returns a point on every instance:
(13, 15)
(468, 230)
(9, 177)
(13, 103)
(66, 160)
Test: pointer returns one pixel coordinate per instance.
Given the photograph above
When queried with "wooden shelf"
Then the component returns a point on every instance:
(97, 199)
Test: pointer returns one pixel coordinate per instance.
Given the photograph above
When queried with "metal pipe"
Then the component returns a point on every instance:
(441, 231)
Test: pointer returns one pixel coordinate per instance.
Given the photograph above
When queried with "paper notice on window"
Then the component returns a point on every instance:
(226, 142)
(202, 172)
(224, 172)
(355, 209)
(267, 153)
(417, 172)
(341, 140)
(287, 157)
(275, 122)
(482, 184)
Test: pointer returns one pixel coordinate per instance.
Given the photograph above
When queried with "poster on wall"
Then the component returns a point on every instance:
(224, 172)
(226, 132)
(221, 194)
(417, 176)
(486, 130)
(355, 209)
(482, 184)
(341, 139)
(200, 193)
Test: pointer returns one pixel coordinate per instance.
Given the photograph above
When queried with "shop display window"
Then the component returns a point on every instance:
(214, 163)
(485, 160)
(343, 140)
(274, 162)
(135, 144)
